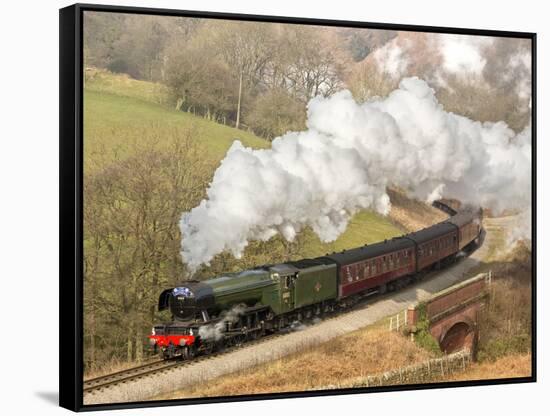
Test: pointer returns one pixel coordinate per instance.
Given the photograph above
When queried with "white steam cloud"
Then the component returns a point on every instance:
(215, 332)
(464, 54)
(343, 163)
(392, 59)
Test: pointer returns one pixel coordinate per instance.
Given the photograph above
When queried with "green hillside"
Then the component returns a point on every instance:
(112, 121)
(364, 228)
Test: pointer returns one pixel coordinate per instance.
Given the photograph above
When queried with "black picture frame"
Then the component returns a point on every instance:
(71, 202)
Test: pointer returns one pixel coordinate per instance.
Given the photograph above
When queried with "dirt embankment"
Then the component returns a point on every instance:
(412, 214)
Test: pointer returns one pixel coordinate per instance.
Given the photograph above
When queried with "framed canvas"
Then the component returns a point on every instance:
(255, 207)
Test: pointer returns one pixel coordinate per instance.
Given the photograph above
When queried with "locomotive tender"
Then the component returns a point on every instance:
(236, 307)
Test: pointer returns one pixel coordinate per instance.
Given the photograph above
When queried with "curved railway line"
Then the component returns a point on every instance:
(99, 384)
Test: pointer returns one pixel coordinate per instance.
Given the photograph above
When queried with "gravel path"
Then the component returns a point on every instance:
(325, 330)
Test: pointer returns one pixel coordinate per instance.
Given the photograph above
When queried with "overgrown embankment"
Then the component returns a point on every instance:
(368, 351)
(505, 327)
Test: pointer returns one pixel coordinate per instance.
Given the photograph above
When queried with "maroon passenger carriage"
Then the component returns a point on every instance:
(469, 227)
(372, 267)
(393, 263)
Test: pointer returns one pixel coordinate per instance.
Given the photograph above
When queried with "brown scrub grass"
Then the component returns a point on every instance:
(412, 214)
(360, 353)
(510, 366)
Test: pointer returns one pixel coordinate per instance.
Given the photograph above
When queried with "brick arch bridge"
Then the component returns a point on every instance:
(453, 314)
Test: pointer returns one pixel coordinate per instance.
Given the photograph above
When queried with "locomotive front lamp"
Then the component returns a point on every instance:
(182, 291)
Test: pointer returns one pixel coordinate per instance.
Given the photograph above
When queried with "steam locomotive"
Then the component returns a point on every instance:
(236, 307)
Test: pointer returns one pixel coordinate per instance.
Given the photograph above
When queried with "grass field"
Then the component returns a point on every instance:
(364, 228)
(125, 86)
(118, 111)
(114, 121)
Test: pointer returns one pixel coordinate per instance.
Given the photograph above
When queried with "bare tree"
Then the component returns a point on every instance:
(247, 48)
(314, 65)
(367, 81)
(132, 241)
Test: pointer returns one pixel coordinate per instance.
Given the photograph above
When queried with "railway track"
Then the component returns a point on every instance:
(99, 384)
(102, 383)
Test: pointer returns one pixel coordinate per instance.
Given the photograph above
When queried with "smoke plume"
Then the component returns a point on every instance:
(343, 163)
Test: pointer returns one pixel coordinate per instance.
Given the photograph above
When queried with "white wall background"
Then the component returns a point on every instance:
(29, 204)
